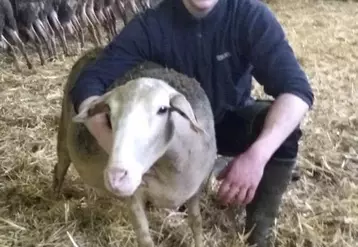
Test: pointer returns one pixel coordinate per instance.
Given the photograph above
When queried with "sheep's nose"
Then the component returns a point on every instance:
(116, 176)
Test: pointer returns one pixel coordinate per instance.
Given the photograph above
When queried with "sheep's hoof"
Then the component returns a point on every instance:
(56, 185)
(149, 205)
(30, 66)
(56, 188)
(295, 175)
(182, 208)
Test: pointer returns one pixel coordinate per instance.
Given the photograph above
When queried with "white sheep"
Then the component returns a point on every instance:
(164, 146)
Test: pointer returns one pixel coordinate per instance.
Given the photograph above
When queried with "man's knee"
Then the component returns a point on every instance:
(289, 148)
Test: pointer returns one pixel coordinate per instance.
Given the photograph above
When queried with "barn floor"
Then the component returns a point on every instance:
(319, 210)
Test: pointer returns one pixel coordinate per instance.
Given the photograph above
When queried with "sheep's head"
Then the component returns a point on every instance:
(143, 114)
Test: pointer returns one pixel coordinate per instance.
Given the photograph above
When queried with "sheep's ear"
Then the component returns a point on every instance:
(180, 104)
(94, 107)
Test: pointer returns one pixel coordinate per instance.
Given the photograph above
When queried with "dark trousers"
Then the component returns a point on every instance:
(235, 133)
(238, 130)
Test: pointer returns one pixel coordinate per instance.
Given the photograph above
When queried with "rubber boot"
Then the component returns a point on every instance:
(262, 211)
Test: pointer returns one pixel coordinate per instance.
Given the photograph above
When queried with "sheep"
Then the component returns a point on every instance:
(84, 20)
(8, 26)
(101, 8)
(27, 15)
(46, 7)
(4, 43)
(66, 10)
(146, 4)
(110, 17)
(75, 5)
(92, 18)
(50, 18)
(119, 8)
(174, 151)
(81, 20)
(104, 15)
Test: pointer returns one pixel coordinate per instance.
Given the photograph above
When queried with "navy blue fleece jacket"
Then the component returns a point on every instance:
(237, 40)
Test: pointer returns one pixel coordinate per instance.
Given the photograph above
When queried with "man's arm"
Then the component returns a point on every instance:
(277, 69)
(286, 112)
(131, 47)
(263, 43)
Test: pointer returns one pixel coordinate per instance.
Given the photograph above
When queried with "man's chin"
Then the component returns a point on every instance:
(202, 5)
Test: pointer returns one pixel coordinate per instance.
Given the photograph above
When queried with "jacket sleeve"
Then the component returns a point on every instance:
(131, 47)
(263, 42)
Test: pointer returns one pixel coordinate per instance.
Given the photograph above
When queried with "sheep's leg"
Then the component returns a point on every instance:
(3, 45)
(111, 21)
(51, 35)
(78, 27)
(144, 4)
(100, 16)
(60, 170)
(87, 23)
(106, 23)
(63, 157)
(134, 6)
(68, 26)
(139, 221)
(60, 32)
(42, 33)
(141, 4)
(36, 40)
(121, 11)
(103, 20)
(92, 30)
(81, 12)
(11, 52)
(15, 37)
(95, 22)
(195, 220)
(147, 3)
(76, 33)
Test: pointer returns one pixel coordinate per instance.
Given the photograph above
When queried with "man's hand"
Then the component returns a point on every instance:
(98, 127)
(241, 178)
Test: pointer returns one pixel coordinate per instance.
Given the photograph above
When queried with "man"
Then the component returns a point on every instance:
(221, 43)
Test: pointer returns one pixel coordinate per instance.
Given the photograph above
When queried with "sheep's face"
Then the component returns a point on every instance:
(143, 123)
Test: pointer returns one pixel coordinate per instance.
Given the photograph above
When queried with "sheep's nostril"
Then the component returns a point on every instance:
(116, 176)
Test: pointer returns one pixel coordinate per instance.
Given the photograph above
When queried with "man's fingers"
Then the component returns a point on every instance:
(250, 195)
(230, 195)
(224, 171)
(240, 197)
(224, 188)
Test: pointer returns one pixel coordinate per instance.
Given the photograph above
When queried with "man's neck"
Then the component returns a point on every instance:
(198, 13)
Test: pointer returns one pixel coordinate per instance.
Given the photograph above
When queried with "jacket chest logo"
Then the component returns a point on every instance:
(223, 56)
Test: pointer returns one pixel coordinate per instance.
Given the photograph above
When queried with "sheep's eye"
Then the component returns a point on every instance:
(162, 110)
